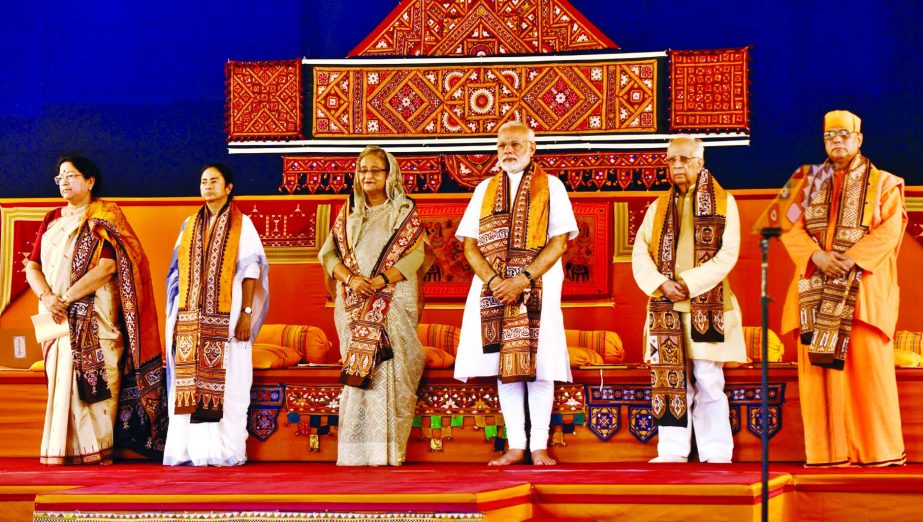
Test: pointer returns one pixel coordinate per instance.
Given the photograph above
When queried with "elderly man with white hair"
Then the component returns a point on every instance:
(515, 231)
(683, 252)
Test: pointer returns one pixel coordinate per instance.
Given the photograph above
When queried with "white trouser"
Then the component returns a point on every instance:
(709, 417)
(541, 398)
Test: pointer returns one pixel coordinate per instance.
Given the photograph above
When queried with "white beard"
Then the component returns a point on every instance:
(513, 168)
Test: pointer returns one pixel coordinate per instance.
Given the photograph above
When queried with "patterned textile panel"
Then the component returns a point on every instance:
(490, 27)
(607, 344)
(442, 336)
(580, 171)
(264, 100)
(915, 218)
(474, 100)
(753, 336)
(710, 90)
(18, 227)
(909, 341)
(586, 262)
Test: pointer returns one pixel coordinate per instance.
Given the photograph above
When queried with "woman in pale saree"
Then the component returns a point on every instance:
(377, 253)
(91, 275)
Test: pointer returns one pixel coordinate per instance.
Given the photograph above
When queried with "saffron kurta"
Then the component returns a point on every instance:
(852, 416)
(222, 443)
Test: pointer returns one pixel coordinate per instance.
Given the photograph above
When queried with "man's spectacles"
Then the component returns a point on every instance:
(515, 145)
(681, 159)
(69, 177)
(831, 135)
(373, 171)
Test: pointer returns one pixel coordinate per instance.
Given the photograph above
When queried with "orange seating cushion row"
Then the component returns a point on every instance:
(605, 343)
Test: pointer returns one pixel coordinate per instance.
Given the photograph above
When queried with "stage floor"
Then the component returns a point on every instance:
(620, 491)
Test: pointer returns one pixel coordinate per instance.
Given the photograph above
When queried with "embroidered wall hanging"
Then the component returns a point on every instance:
(710, 90)
(334, 174)
(580, 171)
(18, 227)
(291, 231)
(264, 100)
(586, 262)
(489, 27)
(474, 100)
(265, 403)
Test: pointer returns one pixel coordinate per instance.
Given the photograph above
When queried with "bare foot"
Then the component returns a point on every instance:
(542, 458)
(513, 456)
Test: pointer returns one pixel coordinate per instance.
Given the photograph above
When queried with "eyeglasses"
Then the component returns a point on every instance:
(515, 145)
(372, 171)
(69, 177)
(681, 159)
(831, 135)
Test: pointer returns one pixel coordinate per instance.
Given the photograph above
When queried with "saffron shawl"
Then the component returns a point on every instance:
(369, 344)
(207, 256)
(666, 338)
(141, 423)
(509, 238)
(827, 304)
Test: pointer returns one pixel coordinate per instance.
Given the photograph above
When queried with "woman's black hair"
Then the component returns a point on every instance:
(85, 167)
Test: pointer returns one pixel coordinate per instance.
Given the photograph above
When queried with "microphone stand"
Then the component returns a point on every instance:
(767, 233)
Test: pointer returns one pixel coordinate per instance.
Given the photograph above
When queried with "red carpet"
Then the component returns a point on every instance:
(589, 492)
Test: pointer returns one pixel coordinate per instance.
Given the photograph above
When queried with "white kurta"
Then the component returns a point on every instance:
(699, 279)
(552, 362)
(222, 443)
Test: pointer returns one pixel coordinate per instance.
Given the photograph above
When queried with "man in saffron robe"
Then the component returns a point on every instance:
(217, 298)
(683, 252)
(848, 219)
(515, 231)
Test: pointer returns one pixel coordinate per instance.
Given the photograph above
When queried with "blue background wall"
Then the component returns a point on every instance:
(139, 86)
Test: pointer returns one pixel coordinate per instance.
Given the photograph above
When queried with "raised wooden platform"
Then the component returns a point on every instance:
(576, 492)
(292, 408)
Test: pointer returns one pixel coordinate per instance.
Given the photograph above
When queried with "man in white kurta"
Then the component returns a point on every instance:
(516, 145)
(705, 388)
(221, 443)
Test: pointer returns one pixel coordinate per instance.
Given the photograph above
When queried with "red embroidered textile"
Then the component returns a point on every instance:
(474, 100)
(482, 28)
(709, 90)
(264, 100)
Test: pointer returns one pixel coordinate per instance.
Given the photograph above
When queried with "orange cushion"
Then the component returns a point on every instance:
(273, 356)
(606, 343)
(310, 342)
(438, 358)
(909, 341)
(442, 336)
(907, 358)
(580, 356)
(270, 334)
(753, 336)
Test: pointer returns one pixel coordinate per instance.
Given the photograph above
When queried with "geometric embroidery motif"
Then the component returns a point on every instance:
(483, 28)
(586, 263)
(474, 100)
(604, 421)
(333, 174)
(264, 100)
(709, 90)
(580, 171)
(265, 403)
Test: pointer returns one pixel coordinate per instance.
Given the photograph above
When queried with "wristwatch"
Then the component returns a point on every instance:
(248, 310)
